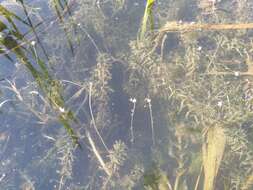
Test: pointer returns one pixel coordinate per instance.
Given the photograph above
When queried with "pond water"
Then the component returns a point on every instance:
(126, 94)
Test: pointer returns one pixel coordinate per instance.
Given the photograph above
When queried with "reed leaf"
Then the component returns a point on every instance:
(146, 17)
(49, 86)
(212, 153)
(2, 26)
(58, 6)
(10, 15)
(3, 52)
(33, 28)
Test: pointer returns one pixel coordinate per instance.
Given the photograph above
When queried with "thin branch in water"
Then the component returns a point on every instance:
(198, 179)
(95, 151)
(187, 27)
(148, 101)
(133, 100)
(93, 119)
(89, 36)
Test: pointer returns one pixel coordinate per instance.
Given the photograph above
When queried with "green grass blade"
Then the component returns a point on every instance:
(9, 15)
(146, 17)
(33, 28)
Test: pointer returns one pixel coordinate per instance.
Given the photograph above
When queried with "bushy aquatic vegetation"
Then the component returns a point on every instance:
(151, 107)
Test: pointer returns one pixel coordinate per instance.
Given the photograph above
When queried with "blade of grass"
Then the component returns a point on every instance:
(2, 51)
(147, 16)
(33, 28)
(61, 20)
(9, 15)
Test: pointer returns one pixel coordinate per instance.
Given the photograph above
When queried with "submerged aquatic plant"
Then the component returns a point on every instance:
(198, 76)
(13, 43)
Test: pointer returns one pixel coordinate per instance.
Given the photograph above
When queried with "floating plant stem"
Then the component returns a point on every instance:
(148, 101)
(133, 100)
(4, 102)
(97, 154)
(198, 178)
(93, 119)
(89, 36)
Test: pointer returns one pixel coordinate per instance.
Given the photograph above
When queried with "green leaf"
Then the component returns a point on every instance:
(146, 17)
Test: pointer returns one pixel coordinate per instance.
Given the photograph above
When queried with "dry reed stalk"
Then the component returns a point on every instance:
(184, 27)
(191, 27)
(230, 73)
(212, 152)
(97, 154)
(198, 179)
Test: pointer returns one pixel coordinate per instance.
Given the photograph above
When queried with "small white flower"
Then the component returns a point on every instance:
(33, 43)
(236, 73)
(148, 100)
(133, 100)
(199, 48)
(34, 92)
(17, 64)
(219, 103)
(79, 24)
(61, 109)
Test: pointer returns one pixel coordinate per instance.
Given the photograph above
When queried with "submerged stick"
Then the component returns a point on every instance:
(133, 100)
(175, 26)
(97, 154)
(93, 119)
(148, 101)
(187, 27)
